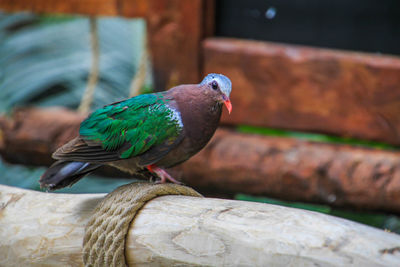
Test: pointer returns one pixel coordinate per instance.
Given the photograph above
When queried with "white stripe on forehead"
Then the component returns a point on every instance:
(223, 82)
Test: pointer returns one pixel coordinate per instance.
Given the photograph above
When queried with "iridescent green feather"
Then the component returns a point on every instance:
(136, 124)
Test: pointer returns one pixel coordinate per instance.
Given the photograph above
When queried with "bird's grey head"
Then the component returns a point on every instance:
(222, 81)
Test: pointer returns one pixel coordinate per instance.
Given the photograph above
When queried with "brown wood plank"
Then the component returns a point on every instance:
(286, 168)
(309, 89)
(128, 8)
(175, 30)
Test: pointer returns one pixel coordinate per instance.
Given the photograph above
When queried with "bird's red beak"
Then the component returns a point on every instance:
(228, 105)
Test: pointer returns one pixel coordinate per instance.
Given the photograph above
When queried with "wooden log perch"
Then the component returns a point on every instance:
(46, 229)
(286, 168)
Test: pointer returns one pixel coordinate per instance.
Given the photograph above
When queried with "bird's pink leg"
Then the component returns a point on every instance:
(164, 176)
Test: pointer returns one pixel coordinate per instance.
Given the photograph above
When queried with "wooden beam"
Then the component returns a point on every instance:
(127, 8)
(232, 163)
(45, 229)
(309, 89)
(175, 29)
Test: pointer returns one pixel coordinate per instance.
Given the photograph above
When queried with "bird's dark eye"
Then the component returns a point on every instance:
(214, 85)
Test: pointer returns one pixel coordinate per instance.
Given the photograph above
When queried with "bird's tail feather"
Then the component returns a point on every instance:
(65, 173)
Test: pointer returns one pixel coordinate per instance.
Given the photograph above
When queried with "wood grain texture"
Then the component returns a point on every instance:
(175, 29)
(127, 8)
(187, 231)
(285, 168)
(41, 229)
(309, 89)
(46, 229)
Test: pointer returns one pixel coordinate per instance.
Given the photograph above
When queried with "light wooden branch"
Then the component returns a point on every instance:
(46, 229)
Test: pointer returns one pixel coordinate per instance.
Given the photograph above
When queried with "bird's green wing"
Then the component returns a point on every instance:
(127, 129)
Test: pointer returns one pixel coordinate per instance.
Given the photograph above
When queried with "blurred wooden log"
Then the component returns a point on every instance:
(286, 168)
(309, 89)
(297, 170)
(33, 134)
(128, 8)
(45, 229)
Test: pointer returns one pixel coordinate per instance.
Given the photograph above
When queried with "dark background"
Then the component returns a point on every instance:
(361, 25)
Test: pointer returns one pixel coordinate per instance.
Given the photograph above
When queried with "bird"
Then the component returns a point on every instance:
(148, 132)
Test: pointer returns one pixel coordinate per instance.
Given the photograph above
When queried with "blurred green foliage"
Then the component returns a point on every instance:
(45, 61)
(314, 137)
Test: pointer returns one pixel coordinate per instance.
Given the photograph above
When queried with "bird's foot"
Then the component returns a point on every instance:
(152, 179)
(164, 176)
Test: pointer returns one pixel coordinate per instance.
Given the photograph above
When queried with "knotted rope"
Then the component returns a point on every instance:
(104, 240)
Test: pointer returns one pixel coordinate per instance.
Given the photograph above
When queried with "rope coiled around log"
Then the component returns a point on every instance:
(104, 240)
